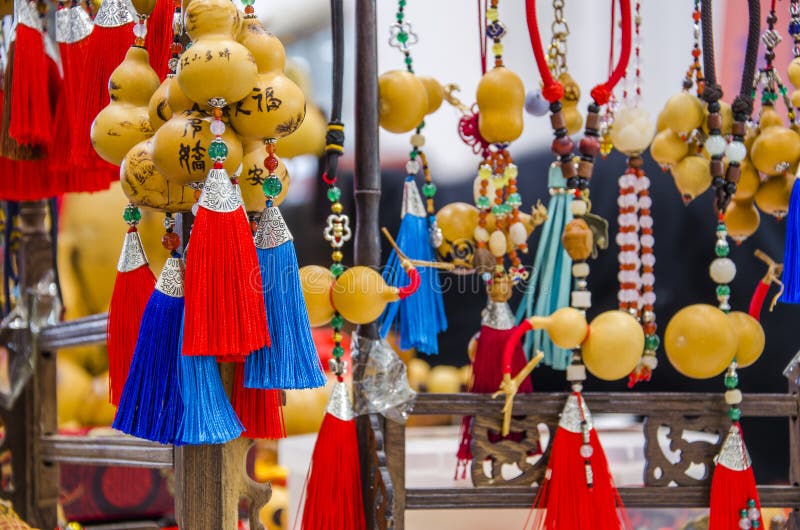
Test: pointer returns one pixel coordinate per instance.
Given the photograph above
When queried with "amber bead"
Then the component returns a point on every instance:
(562, 145)
(171, 241)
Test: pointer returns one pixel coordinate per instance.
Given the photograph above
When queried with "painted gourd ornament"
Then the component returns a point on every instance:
(614, 346)
(572, 94)
(145, 186)
(794, 79)
(749, 181)
(501, 100)
(683, 113)
(692, 177)
(457, 221)
(275, 106)
(774, 194)
(742, 219)
(775, 149)
(158, 109)
(215, 66)
(700, 341)
(402, 101)
(435, 93)
(751, 338)
(667, 148)
(632, 131)
(566, 327)
(317, 282)
(180, 146)
(253, 175)
(125, 121)
(308, 139)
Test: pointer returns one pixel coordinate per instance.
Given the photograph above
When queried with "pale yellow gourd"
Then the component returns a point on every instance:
(125, 121)
(774, 194)
(614, 346)
(180, 146)
(215, 65)
(253, 175)
(309, 138)
(700, 341)
(667, 148)
(726, 113)
(566, 327)
(751, 338)
(692, 177)
(316, 282)
(402, 101)
(275, 106)
(457, 221)
(360, 295)
(742, 219)
(774, 149)
(158, 109)
(572, 94)
(500, 98)
(683, 113)
(434, 91)
(144, 186)
(749, 181)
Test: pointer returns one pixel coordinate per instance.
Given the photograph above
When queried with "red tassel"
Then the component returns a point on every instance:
(333, 493)
(225, 313)
(133, 286)
(108, 44)
(260, 411)
(159, 36)
(733, 486)
(578, 492)
(29, 122)
(488, 364)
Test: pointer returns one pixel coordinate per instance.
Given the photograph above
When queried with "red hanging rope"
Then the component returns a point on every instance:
(552, 89)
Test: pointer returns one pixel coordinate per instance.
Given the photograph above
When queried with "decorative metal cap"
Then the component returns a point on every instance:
(339, 404)
(25, 13)
(114, 13)
(132, 256)
(497, 315)
(733, 453)
(72, 25)
(272, 230)
(412, 202)
(219, 193)
(571, 417)
(170, 281)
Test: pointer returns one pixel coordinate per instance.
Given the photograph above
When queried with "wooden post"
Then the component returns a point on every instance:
(794, 444)
(367, 189)
(34, 486)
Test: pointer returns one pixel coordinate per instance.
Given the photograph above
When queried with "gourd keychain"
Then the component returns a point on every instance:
(726, 338)
(419, 318)
(631, 132)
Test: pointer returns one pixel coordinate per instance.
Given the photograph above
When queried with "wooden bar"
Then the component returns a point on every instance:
(639, 403)
(395, 448)
(633, 497)
(106, 451)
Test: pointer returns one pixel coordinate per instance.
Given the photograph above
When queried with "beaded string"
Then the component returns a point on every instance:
(170, 240)
(794, 26)
(694, 74)
(771, 83)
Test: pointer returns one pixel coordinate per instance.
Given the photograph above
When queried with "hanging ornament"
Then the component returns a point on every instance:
(419, 318)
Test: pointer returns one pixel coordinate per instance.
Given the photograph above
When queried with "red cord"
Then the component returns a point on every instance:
(413, 284)
(482, 32)
(613, 29)
(757, 301)
(513, 339)
(552, 90)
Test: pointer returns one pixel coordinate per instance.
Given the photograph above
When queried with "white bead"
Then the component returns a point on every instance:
(649, 298)
(744, 524)
(497, 244)
(722, 270)
(586, 451)
(535, 104)
(476, 188)
(481, 234)
(517, 233)
(139, 30)
(417, 140)
(644, 182)
(648, 278)
(645, 202)
(754, 514)
(578, 208)
(736, 151)
(715, 145)
(648, 240)
(576, 372)
(650, 361)
(580, 270)
(412, 167)
(733, 397)
(646, 221)
(217, 128)
(582, 299)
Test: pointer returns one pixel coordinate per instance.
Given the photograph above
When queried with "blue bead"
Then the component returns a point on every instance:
(535, 104)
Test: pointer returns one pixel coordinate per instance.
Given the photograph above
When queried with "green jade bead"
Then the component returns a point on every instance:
(272, 186)
(429, 189)
(217, 150)
(334, 194)
(338, 351)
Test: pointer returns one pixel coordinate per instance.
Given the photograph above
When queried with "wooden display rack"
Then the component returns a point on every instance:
(210, 480)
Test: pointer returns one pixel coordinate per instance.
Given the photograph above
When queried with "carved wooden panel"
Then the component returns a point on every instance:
(520, 458)
(680, 450)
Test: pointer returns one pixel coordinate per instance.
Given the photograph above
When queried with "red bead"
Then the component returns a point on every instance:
(271, 163)
(171, 241)
(589, 146)
(176, 48)
(562, 145)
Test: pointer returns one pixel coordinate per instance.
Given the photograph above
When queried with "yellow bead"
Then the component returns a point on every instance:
(485, 171)
(491, 14)
(337, 256)
(337, 337)
(336, 207)
(497, 48)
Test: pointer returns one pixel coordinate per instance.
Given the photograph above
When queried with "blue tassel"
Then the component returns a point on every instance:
(420, 317)
(291, 361)
(549, 286)
(208, 417)
(150, 406)
(791, 252)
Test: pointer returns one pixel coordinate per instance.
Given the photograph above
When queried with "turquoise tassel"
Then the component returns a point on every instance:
(550, 283)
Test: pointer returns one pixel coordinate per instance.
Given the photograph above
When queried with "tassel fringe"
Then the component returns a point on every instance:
(791, 255)
(260, 411)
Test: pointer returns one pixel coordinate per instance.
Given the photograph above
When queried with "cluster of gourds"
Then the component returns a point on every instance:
(160, 134)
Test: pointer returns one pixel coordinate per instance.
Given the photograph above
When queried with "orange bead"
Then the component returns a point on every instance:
(171, 241)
